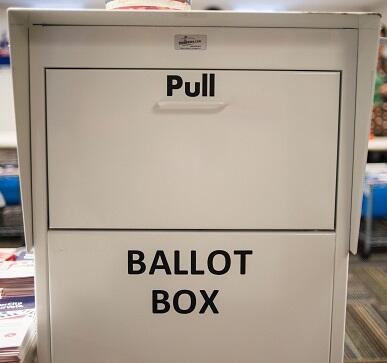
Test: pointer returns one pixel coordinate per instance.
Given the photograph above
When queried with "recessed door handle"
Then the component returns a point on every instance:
(191, 106)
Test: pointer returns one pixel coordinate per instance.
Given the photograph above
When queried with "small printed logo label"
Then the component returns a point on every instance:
(190, 42)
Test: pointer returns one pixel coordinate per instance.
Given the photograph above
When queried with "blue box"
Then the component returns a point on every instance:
(10, 189)
(379, 201)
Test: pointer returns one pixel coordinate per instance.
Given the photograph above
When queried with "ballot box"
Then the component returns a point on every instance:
(192, 181)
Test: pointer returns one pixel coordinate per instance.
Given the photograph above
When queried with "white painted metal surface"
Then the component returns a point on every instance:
(125, 163)
(336, 50)
(223, 19)
(112, 319)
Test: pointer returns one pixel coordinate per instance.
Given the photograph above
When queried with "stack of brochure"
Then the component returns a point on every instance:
(17, 277)
(17, 309)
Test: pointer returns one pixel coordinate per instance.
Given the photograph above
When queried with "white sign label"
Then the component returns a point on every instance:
(190, 42)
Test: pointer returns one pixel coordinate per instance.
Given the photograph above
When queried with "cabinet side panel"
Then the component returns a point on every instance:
(39, 193)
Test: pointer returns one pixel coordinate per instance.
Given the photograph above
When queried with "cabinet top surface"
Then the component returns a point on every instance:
(29, 17)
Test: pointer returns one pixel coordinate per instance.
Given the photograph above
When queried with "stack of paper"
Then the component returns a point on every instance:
(17, 278)
(17, 309)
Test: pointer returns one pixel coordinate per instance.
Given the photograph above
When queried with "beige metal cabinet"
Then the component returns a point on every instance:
(192, 181)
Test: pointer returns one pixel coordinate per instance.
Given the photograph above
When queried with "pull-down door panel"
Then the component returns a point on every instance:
(254, 150)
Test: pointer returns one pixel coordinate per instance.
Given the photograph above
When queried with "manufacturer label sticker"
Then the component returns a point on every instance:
(190, 42)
